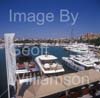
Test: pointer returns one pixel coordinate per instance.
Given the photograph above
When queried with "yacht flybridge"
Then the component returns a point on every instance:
(49, 64)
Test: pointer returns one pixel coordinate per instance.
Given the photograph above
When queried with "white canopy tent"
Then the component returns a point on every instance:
(10, 60)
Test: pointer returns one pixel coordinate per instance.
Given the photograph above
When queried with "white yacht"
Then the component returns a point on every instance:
(26, 69)
(78, 48)
(97, 65)
(94, 59)
(49, 64)
(79, 63)
(26, 72)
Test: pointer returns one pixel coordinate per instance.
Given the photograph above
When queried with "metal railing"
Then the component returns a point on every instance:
(1, 95)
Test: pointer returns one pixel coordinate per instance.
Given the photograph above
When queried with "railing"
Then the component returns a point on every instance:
(1, 96)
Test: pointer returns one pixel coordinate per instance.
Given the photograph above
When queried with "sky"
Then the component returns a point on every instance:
(88, 19)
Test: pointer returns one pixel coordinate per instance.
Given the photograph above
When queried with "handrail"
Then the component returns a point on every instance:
(3, 93)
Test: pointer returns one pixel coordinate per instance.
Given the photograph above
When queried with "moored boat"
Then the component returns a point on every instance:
(49, 64)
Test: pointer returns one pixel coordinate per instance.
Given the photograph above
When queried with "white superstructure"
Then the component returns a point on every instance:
(79, 48)
(79, 63)
(49, 64)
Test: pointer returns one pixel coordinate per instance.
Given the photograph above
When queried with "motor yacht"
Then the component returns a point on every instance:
(26, 69)
(79, 63)
(49, 64)
(78, 48)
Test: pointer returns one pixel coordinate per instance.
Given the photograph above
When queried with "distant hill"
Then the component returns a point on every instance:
(89, 36)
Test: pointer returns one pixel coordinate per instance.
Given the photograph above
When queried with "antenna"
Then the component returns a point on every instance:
(71, 34)
(46, 52)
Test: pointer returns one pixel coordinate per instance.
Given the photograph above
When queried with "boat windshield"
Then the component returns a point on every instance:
(48, 61)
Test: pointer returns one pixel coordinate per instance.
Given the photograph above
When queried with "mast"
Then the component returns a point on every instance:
(46, 51)
(72, 34)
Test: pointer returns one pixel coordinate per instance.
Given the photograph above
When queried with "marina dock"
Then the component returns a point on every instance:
(41, 88)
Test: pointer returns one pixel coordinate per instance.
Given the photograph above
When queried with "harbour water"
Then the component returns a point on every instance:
(57, 51)
(3, 77)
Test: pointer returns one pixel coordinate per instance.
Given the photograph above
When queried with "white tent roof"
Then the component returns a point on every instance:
(52, 85)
